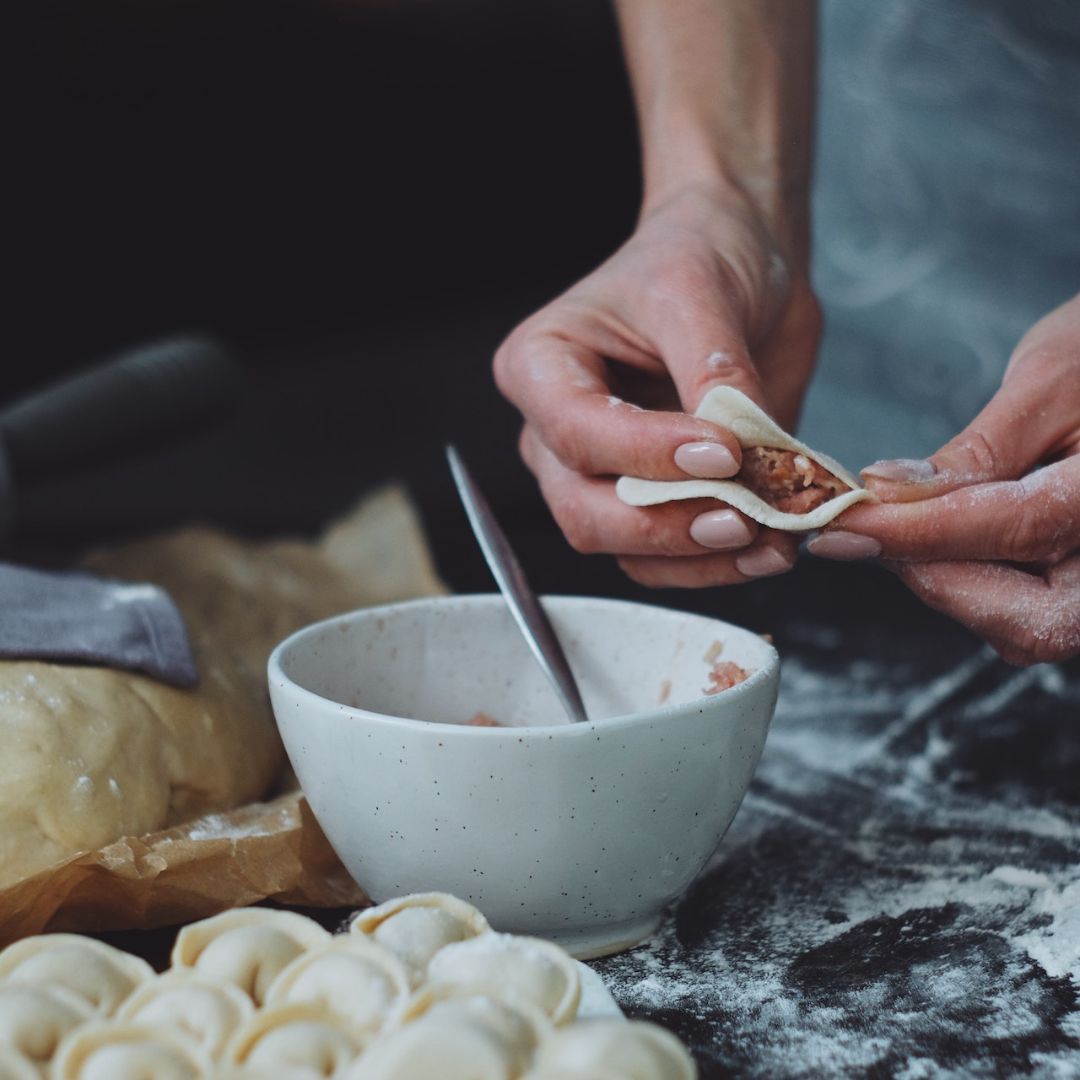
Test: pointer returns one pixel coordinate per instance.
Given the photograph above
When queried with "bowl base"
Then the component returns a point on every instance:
(595, 941)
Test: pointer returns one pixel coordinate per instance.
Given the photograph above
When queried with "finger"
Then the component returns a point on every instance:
(1029, 520)
(562, 387)
(703, 337)
(1029, 619)
(593, 518)
(774, 553)
(1023, 423)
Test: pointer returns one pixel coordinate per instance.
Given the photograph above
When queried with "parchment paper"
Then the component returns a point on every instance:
(264, 850)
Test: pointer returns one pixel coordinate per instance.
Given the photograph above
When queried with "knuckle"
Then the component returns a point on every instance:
(1048, 641)
(663, 536)
(981, 459)
(576, 526)
(1028, 536)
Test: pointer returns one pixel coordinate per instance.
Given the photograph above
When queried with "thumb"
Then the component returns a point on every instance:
(1002, 443)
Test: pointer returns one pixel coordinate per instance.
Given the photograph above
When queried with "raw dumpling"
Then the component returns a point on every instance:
(782, 484)
(33, 1018)
(298, 1040)
(474, 1038)
(519, 1025)
(415, 927)
(96, 972)
(632, 1050)
(16, 1066)
(352, 977)
(208, 1012)
(246, 946)
(531, 969)
(119, 1050)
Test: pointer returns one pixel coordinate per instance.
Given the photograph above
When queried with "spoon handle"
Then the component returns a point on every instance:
(530, 617)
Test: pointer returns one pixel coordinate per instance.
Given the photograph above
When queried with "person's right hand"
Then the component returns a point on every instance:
(606, 375)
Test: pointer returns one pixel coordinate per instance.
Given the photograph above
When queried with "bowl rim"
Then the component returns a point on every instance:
(768, 672)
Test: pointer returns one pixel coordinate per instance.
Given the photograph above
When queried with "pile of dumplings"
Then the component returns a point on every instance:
(419, 988)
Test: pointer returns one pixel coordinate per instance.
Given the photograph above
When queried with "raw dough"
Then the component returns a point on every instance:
(99, 974)
(633, 1050)
(350, 977)
(208, 1011)
(534, 970)
(730, 408)
(91, 754)
(247, 946)
(417, 926)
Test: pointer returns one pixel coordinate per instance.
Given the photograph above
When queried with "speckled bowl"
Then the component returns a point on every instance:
(581, 833)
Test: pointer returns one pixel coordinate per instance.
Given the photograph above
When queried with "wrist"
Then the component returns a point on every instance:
(693, 166)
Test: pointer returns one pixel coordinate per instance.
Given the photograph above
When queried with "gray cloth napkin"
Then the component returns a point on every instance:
(70, 616)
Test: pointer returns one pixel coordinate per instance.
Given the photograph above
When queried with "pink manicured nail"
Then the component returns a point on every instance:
(762, 563)
(903, 470)
(720, 530)
(708, 461)
(843, 545)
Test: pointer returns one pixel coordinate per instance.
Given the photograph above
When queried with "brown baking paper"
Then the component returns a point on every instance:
(271, 849)
(263, 851)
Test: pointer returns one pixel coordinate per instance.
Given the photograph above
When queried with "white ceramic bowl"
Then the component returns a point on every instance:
(581, 833)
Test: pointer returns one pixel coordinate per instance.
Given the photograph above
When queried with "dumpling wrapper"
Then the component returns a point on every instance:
(200, 1008)
(417, 926)
(101, 975)
(527, 968)
(634, 1050)
(246, 946)
(732, 409)
(350, 976)
(299, 1039)
(121, 1050)
(35, 1018)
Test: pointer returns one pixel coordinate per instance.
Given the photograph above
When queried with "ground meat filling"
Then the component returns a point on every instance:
(724, 675)
(787, 481)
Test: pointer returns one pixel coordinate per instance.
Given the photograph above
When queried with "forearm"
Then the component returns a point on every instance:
(725, 99)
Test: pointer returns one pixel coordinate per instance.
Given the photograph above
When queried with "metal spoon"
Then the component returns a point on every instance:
(530, 617)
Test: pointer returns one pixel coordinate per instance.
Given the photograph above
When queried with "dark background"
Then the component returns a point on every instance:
(361, 200)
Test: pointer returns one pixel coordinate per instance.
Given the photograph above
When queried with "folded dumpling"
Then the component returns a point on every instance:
(417, 926)
(17, 1066)
(99, 974)
(246, 946)
(35, 1018)
(301, 1041)
(468, 1038)
(351, 977)
(782, 484)
(531, 969)
(120, 1050)
(632, 1050)
(193, 1005)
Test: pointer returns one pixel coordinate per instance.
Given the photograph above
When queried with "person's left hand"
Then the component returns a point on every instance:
(988, 529)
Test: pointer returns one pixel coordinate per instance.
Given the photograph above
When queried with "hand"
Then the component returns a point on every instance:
(606, 374)
(993, 539)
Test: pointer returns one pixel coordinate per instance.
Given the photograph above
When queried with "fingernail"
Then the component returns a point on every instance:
(904, 470)
(763, 562)
(843, 545)
(721, 530)
(709, 461)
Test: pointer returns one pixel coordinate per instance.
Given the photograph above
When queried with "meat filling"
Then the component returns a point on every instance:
(724, 675)
(788, 481)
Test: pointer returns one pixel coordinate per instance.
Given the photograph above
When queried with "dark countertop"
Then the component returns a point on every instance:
(900, 893)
